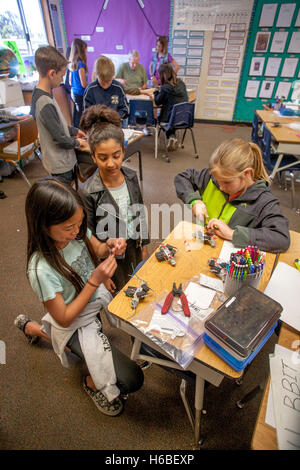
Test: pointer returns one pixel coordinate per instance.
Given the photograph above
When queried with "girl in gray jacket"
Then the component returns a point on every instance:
(234, 193)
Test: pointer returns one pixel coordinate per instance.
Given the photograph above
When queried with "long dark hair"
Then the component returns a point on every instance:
(78, 52)
(167, 74)
(51, 202)
(101, 123)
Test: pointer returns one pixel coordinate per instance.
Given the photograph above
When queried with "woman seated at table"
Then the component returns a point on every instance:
(172, 91)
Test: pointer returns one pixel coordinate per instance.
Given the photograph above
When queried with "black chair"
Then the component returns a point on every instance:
(256, 134)
(141, 116)
(182, 117)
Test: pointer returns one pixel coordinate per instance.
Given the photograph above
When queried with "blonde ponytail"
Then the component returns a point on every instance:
(234, 156)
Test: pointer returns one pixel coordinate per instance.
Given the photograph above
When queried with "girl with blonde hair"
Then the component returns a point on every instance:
(234, 193)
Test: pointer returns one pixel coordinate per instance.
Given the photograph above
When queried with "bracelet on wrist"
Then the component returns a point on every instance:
(92, 284)
(194, 202)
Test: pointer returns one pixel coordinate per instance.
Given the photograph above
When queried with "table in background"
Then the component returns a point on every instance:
(264, 436)
(160, 276)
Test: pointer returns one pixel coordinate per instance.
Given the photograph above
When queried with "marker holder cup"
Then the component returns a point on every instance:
(231, 285)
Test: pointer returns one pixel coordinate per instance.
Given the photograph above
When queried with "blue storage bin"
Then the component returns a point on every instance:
(227, 357)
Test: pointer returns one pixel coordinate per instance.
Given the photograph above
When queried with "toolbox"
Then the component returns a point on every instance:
(242, 323)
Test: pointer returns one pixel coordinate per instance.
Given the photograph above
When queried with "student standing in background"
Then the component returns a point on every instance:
(78, 77)
(161, 56)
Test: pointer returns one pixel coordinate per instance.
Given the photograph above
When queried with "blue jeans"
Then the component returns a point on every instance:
(67, 177)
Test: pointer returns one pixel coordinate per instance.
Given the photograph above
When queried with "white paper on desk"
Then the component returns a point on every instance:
(285, 379)
(226, 251)
(284, 286)
(198, 295)
(279, 351)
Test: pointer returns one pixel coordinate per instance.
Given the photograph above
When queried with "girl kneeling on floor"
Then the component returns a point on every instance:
(63, 270)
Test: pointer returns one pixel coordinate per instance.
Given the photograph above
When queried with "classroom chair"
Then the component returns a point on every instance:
(26, 144)
(256, 133)
(182, 117)
(141, 116)
(270, 156)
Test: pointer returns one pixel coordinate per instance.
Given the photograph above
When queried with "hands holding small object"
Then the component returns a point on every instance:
(116, 246)
(220, 228)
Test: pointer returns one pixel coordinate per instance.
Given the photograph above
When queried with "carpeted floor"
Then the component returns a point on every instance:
(43, 406)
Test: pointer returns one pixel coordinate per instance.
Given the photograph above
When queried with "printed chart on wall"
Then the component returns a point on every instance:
(271, 63)
(208, 42)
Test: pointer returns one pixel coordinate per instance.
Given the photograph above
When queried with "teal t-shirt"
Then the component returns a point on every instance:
(47, 282)
(122, 198)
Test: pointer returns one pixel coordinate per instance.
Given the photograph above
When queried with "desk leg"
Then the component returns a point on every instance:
(199, 396)
(275, 169)
(156, 142)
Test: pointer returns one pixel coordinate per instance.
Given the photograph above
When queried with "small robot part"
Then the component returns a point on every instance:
(166, 253)
(137, 293)
(218, 267)
(206, 237)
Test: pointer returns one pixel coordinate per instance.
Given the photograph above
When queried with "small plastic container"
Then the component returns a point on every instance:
(243, 320)
(231, 285)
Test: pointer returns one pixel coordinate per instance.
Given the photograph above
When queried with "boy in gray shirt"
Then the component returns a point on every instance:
(58, 140)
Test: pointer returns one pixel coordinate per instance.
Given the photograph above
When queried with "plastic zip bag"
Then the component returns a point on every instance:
(179, 336)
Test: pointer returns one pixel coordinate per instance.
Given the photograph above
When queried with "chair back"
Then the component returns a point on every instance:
(255, 126)
(182, 116)
(141, 112)
(28, 131)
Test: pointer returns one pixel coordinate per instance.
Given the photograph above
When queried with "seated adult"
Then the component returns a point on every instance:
(105, 90)
(132, 74)
(161, 56)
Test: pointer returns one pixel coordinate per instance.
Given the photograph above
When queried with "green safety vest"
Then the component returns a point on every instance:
(216, 204)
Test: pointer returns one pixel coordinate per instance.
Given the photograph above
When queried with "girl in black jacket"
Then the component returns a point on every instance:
(112, 195)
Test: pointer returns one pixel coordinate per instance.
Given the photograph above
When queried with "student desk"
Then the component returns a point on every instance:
(270, 116)
(150, 94)
(285, 140)
(264, 436)
(160, 276)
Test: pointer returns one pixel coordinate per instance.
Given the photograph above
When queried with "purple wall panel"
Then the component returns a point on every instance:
(124, 23)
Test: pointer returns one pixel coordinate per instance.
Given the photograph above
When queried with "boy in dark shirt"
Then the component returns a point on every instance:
(105, 90)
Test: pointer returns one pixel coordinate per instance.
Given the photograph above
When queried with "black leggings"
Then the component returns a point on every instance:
(130, 376)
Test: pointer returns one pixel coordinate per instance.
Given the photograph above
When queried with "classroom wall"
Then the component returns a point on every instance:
(122, 26)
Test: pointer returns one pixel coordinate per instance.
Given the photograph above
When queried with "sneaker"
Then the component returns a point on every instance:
(175, 144)
(143, 364)
(109, 408)
(20, 322)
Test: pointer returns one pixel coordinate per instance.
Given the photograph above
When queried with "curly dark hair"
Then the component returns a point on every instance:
(101, 123)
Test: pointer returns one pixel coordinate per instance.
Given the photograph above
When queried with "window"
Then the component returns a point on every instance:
(22, 21)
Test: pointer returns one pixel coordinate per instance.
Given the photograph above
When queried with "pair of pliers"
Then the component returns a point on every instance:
(176, 293)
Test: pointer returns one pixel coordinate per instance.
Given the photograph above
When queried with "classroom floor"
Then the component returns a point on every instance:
(43, 405)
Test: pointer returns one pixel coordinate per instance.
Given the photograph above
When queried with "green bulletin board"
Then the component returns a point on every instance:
(272, 56)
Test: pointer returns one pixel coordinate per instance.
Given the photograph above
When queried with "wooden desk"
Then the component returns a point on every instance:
(191, 95)
(264, 436)
(160, 276)
(270, 116)
(285, 141)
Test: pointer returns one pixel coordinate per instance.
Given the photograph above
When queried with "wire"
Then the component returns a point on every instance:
(94, 29)
(151, 27)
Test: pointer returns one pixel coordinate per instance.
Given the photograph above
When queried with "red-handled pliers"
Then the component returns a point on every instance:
(176, 293)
